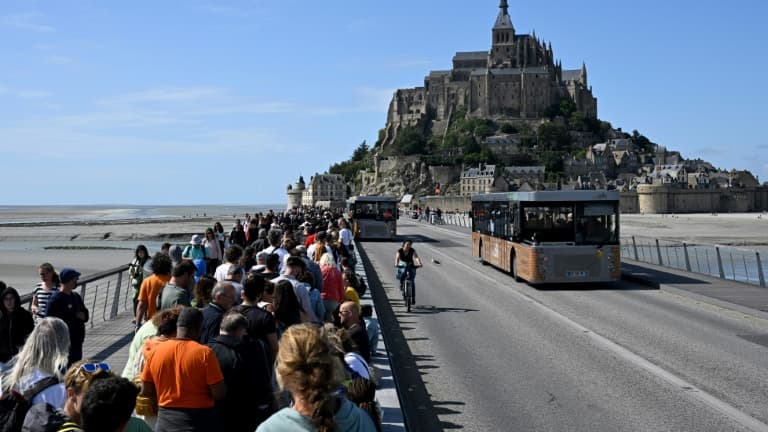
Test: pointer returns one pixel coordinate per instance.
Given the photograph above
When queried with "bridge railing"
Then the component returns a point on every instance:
(725, 262)
(106, 294)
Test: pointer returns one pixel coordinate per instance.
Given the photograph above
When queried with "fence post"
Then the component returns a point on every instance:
(116, 302)
(760, 274)
(719, 263)
(687, 259)
(634, 247)
(658, 253)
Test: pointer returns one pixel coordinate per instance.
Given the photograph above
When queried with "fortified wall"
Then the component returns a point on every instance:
(672, 199)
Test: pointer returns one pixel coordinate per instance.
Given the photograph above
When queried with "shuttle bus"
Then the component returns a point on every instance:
(549, 236)
(374, 217)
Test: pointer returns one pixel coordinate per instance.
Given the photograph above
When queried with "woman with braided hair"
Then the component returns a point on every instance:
(308, 367)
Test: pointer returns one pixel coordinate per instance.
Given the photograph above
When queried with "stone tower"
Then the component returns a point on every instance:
(295, 193)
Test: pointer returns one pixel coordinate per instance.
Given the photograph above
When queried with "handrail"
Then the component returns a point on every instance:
(106, 294)
(726, 262)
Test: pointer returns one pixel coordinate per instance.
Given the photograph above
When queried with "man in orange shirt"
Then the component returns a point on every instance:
(151, 286)
(185, 377)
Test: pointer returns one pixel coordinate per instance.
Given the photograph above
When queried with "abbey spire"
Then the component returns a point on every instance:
(503, 30)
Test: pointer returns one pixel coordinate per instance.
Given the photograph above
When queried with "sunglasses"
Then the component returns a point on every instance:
(93, 367)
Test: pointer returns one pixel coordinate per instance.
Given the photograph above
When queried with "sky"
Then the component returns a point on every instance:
(226, 102)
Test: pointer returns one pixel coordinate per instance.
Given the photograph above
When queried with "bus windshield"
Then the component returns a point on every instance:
(378, 210)
(580, 223)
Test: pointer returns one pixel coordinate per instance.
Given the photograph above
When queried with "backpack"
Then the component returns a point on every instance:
(14, 406)
(361, 287)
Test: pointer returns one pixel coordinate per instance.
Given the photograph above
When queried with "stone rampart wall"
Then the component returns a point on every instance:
(448, 203)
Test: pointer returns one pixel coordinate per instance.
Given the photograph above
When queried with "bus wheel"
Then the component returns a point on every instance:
(514, 269)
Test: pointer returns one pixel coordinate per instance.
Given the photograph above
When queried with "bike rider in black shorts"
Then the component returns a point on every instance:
(407, 258)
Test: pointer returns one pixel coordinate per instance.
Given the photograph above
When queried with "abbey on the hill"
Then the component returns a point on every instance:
(518, 79)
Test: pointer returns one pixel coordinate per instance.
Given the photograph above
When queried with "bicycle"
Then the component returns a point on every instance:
(406, 275)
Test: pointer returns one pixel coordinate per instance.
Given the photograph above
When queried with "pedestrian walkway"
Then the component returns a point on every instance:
(109, 342)
(744, 295)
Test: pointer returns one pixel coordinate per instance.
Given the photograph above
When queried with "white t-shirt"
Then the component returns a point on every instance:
(221, 271)
(345, 234)
(54, 395)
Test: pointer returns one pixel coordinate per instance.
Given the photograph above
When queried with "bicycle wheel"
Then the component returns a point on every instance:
(408, 291)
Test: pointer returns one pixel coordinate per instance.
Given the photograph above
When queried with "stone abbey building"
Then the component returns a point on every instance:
(517, 79)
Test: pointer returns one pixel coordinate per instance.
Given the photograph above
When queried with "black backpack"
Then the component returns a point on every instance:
(361, 286)
(14, 406)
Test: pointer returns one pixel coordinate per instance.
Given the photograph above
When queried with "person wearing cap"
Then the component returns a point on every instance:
(195, 249)
(186, 378)
(67, 305)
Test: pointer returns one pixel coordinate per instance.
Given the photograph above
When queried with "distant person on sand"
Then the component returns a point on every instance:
(68, 305)
(49, 283)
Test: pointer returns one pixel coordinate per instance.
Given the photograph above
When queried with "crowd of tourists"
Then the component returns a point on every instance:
(259, 329)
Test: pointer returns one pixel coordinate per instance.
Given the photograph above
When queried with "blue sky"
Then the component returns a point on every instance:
(186, 102)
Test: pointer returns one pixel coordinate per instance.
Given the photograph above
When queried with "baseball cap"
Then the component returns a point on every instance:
(197, 240)
(67, 274)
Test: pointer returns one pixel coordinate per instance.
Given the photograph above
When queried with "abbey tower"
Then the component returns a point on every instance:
(518, 78)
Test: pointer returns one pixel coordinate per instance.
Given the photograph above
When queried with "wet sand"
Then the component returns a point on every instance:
(23, 247)
(735, 229)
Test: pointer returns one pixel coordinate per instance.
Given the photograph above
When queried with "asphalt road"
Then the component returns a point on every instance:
(480, 352)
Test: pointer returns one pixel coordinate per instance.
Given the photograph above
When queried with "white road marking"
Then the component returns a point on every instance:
(680, 384)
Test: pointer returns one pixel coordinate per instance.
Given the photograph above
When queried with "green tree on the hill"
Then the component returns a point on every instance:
(360, 152)
(642, 142)
(410, 141)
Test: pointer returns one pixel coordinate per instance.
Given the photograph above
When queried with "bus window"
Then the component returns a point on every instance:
(597, 224)
(547, 224)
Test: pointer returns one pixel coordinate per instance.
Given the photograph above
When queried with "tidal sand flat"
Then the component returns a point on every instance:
(90, 240)
(735, 229)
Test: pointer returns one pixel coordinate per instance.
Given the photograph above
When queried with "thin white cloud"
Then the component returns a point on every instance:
(26, 21)
(59, 59)
(24, 93)
(166, 94)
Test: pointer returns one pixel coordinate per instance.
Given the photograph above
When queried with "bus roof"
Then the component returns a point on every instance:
(373, 198)
(550, 196)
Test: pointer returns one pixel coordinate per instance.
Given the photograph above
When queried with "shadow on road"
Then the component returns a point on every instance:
(419, 412)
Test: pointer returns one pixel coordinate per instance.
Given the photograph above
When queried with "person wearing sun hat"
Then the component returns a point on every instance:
(195, 249)
(68, 305)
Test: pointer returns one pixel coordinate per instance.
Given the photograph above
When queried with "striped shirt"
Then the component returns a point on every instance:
(43, 296)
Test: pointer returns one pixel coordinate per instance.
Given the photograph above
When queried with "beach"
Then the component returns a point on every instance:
(95, 240)
(92, 239)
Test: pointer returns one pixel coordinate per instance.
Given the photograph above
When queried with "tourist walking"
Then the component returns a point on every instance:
(16, 323)
(49, 282)
(150, 288)
(136, 272)
(43, 356)
(68, 305)
(186, 379)
(307, 367)
(213, 250)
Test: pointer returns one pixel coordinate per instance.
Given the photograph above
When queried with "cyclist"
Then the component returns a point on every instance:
(406, 262)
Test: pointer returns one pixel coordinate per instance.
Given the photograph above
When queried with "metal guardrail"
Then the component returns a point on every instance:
(725, 262)
(106, 294)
